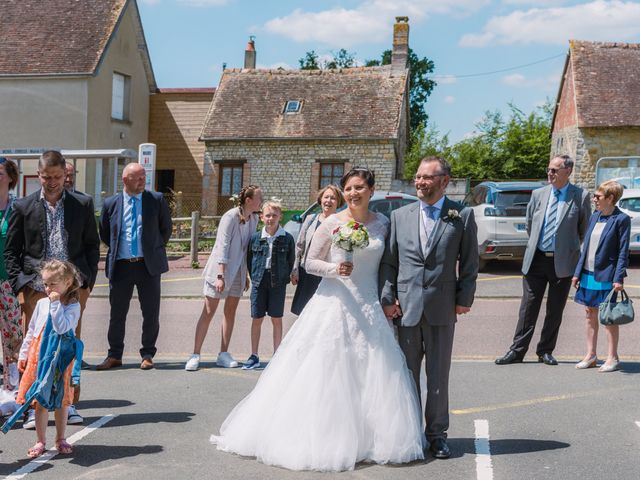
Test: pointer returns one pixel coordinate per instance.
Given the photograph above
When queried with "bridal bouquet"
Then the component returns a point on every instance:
(350, 236)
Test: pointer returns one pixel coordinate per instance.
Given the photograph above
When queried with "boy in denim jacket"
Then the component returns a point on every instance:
(270, 258)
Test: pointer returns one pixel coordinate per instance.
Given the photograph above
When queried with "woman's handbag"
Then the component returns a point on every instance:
(616, 313)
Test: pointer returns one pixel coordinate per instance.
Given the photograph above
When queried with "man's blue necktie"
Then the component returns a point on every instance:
(550, 224)
(134, 227)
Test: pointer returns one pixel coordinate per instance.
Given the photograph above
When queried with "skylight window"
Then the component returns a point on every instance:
(293, 106)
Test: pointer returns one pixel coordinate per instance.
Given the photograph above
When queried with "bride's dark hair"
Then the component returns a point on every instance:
(362, 172)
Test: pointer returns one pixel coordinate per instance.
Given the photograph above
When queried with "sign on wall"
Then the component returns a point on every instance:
(147, 158)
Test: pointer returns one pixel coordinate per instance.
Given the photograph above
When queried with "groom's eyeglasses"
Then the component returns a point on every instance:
(428, 177)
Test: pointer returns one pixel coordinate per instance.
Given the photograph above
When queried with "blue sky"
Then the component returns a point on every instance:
(189, 40)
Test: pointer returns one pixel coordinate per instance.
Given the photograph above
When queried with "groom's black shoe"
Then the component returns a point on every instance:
(509, 357)
(439, 448)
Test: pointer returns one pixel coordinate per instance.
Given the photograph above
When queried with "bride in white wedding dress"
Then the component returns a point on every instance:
(338, 390)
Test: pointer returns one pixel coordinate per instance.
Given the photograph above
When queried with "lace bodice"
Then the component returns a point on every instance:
(324, 257)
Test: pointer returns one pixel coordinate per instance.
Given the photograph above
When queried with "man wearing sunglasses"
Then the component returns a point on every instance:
(557, 218)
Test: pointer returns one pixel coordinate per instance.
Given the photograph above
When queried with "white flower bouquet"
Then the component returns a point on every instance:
(350, 236)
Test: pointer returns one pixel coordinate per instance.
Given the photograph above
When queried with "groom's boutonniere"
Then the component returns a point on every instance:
(453, 214)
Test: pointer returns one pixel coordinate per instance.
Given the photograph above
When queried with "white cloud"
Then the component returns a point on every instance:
(445, 79)
(202, 3)
(370, 21)
(598, 20)
(535, 2)
(449, 99)
(517, 80)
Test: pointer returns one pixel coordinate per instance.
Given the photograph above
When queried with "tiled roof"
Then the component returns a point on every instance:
(55, 37)
(364, 102)
(607, 83)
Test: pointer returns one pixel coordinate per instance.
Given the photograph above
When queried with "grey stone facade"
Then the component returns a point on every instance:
(290, 170)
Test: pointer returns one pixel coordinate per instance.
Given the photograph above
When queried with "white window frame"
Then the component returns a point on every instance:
(120, 94)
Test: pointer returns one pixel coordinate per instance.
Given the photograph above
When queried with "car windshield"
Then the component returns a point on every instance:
(632, 204)
(512, 203)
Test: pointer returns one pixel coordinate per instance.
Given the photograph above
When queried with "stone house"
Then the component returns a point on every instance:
(294, 131)
(175, 123)
(74, 75)
(597, 114)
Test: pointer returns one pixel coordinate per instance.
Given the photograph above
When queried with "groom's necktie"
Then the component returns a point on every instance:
(429, 224)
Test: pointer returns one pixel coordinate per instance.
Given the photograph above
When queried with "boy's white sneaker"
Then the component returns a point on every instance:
(30, 423)
(225, 360)
(73, 417)
(193, 363)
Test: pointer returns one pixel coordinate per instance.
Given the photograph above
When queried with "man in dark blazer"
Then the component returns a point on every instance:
(427, 278)
(557, 218)
(51, 224)
(136, 226)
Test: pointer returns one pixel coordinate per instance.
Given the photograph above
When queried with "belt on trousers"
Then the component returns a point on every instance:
(131, 260)
(546, 254)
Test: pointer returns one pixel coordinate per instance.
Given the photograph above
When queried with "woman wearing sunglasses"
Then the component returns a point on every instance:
(602, 267)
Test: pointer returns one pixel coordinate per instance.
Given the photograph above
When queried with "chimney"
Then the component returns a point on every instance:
(250, 54)
(400, 53)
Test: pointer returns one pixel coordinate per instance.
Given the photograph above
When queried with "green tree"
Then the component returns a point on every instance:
(499, 149)
(425, 141)
(420, 85)
(342, 59)
(309, 61)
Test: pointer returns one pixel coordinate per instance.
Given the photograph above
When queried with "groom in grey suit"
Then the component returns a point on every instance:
(428, 277)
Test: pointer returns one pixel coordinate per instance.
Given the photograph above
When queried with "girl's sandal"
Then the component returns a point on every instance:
(37, 450)
(63, 446)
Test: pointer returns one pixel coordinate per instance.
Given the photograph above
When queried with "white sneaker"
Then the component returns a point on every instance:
(30, 424)
(225, 360)
(73, 417)
(193, 363)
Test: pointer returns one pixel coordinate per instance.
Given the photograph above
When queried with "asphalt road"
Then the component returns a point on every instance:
(543, 422)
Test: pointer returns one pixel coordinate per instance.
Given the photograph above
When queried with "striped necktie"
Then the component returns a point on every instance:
(134, 227)
(550, 223)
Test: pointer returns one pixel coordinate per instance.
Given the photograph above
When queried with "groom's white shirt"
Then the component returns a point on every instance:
(428, 224)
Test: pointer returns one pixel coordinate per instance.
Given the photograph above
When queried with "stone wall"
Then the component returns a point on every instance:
(290, 169)
(605, 142)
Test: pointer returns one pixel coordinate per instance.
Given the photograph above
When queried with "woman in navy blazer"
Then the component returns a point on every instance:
(602, 267)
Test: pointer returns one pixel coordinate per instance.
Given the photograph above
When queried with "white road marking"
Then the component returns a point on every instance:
(638, 424)
(49, 454)
(484, 469)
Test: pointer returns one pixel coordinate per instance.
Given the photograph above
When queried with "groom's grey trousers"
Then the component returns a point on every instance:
(434, 343)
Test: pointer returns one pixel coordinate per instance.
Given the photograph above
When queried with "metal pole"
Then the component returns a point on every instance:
(195, 233)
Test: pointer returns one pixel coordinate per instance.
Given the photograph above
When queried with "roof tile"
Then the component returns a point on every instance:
(607, 83)
(53, 37)
(363, 102)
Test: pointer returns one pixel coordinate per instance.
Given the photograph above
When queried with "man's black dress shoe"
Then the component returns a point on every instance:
(439, 448)
(509, 357)
(547, 359)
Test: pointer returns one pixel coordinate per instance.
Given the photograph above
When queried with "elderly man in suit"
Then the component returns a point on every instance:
(428, 277)
(557, 218)
(136, 226)
(51, 224)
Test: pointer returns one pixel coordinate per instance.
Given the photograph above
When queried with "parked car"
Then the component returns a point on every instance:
(383, 202)
(500, 210)
(629, 203)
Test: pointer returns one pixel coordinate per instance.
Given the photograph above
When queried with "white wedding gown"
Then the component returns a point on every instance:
(338, 390)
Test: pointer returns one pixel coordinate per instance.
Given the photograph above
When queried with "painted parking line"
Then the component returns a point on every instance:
(536, 401)
(484, 468)
(49, 454)
(167, 280)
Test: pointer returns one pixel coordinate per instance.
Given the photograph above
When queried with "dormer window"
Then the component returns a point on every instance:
(293, 106)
